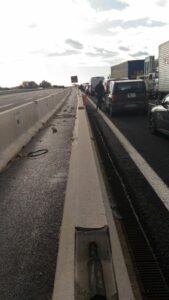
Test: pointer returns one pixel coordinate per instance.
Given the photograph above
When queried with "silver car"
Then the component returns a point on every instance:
(159, 117)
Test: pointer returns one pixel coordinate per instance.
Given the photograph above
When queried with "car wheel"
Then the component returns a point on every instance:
(152, 124)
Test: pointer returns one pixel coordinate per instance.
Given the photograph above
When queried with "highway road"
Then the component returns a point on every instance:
(13, 100)
(32, 195)
(153, 148)
(31, 203)
(147, 192)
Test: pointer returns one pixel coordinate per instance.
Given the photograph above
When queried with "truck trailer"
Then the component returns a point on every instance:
(151, 76)
(163, 70)
(128, 70)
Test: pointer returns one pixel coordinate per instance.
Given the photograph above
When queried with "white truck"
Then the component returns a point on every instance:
(163, 70)
(151, 85)
(93, 82)
(150, 76)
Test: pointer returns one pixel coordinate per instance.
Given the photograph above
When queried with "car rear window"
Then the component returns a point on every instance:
(123, 87)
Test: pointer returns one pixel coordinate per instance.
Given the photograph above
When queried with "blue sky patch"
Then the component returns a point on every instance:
(102, 5)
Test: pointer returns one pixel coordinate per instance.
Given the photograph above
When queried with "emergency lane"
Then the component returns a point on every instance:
(153, 148)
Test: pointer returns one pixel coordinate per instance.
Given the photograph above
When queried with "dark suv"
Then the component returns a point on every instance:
(126, 95)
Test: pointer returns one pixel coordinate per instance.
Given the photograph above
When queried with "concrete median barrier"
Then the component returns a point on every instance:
(18, 125)
(90, 262)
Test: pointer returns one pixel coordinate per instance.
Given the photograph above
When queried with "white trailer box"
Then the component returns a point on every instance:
(164, 68)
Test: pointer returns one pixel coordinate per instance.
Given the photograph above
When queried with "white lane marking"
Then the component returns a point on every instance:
(158, 185)
(2, 106)
(40, 99)
(22, 105)
(14, 108)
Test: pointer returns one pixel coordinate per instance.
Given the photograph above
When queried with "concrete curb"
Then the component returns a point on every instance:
(19, 125)
(80, 205)
(85, 208)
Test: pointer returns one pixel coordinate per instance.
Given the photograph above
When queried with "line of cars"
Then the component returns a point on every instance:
(130, 96)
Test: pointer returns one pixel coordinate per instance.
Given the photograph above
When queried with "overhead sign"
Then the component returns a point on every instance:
(74, 79)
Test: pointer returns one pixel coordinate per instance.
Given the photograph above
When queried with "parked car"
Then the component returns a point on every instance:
(126, 95)
(159, 116)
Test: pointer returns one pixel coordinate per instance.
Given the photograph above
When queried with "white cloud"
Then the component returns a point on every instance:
(54, 39)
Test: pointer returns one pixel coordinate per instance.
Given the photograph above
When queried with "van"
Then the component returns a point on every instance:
(125, 96)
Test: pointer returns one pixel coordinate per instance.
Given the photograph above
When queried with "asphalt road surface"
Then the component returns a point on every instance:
(32, 194)
(153, 148)
(13, 100)
(128, 185)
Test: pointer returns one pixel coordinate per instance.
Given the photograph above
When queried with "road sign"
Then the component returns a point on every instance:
(74, 79)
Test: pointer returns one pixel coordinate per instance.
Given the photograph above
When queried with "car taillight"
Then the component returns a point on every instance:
(114, 98)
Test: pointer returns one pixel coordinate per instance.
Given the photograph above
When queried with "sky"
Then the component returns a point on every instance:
(53, 40)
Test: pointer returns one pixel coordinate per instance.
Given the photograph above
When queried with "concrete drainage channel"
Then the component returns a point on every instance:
(94, 274)
(90, 263)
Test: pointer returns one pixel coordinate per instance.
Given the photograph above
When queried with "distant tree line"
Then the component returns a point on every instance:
(33, 85)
